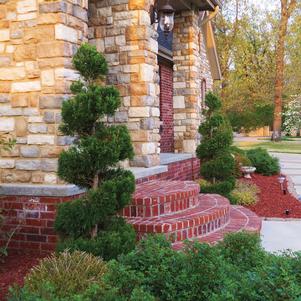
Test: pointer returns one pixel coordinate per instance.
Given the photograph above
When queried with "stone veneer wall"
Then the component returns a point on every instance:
(190, 67)
(122, 31)
(205, 65)
(37, 41)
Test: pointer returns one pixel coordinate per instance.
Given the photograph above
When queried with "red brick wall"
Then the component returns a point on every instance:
(183, 170)
(166, 108)
(33, 217)
(32, 220)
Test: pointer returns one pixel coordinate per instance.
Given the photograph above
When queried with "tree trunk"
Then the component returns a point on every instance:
(287, 9)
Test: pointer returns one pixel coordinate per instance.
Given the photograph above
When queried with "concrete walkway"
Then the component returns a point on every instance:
(279, 236)
(291, 166)
(286, 234)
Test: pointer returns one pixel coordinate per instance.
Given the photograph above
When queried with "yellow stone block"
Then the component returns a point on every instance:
(25, 52)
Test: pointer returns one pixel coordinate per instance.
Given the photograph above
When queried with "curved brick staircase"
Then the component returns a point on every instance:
(177, 209)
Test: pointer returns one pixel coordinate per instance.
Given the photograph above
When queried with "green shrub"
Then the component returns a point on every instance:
(245, 193)
(93, 163)
(222, 188)
(116, 238)
(235, 269)
(240, 159)
(48, 293)
(220, 168)
(217, 162)
(264, 163)
(67, 273)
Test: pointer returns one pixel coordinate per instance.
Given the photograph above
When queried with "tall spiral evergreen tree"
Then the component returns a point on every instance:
(91, 223)
(218, 164)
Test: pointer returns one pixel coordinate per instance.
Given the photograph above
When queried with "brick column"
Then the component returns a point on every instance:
(122, 31)
(187, 81)
(37, 41)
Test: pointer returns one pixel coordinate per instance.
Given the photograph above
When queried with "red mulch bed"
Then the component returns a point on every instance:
(272, 201)
(14, 268)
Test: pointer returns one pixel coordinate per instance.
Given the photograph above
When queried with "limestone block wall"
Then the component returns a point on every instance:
(205, 65)
(122, 31)
(191, 66)
(37, 41)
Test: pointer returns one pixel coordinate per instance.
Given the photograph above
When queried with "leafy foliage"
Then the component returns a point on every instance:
(241, 159)
(116, 237)
(246, 38)
(244, 193)
(264, 163)
(256, 116)
(235, 269)
(292, 116)
(223, 188)
(90, 223)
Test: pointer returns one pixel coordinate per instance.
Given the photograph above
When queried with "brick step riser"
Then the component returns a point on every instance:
(189, 229)
(161, 209)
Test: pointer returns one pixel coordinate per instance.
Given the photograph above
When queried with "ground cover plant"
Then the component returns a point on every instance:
(244, 193)
(235, 269)
(91, 223)
(218, 165)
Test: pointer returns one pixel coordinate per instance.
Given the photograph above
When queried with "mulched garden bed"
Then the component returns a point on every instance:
(14, 268)
(272, 202)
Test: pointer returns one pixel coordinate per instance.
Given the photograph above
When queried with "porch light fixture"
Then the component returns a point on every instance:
(165, 16)
(281, 180)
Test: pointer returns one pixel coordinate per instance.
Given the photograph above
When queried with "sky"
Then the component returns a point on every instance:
(266, 4)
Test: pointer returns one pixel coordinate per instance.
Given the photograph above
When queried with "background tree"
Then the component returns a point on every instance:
(287, 8)
(245, 40)
(91, 223)
(292, 117)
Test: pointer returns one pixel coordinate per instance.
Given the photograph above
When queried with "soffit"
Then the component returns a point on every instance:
(202, 5)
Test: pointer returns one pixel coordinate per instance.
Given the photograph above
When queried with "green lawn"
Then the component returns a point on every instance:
(293, 147)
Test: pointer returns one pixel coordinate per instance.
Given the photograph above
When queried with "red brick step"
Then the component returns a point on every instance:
(241, 219)
(159, 198)
(210, 214)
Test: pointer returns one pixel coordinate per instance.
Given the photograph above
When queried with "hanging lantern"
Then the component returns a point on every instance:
(166, 18)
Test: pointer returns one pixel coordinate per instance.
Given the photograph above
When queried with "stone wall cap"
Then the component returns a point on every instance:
(143, 172)
(168, 158)
(40, 190)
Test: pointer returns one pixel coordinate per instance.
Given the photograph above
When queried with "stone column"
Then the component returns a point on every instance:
(37, 41)
(187, 81)
(122, 31)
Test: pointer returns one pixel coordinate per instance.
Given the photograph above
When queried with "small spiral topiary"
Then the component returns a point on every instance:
(218, 164)
(92, 163)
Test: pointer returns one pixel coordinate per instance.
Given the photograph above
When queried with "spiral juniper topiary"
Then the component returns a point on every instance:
(92, 163)
(218, 164)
